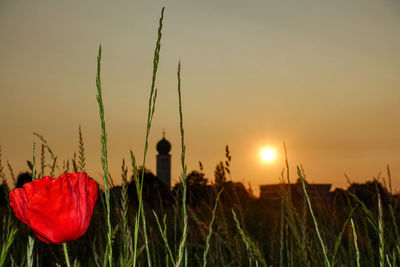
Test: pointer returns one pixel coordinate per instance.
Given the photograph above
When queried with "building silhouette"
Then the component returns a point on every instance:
(315, 191)
(164, 161)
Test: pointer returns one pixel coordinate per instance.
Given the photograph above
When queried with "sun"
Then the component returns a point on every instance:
(267, 154)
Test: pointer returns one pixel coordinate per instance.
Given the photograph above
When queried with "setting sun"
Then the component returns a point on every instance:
(267, 154)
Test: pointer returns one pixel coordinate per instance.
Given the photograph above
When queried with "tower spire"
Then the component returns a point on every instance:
(164, 161)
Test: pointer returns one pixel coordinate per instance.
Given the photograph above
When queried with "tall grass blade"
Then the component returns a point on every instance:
(163, 232)
(388, 261)
(137, 218)
(355, 242)
(327, 263)
(151, 108)
(183, 175)
(6, 245)
(82, 163)
(251, 247)
(31, 241)
(370, 216)
(53, 167)
(126, 234)
(104, 163)
(42, 159)
(12, 173)
(339, 239)
(210, 230)
(381, 233)
(392, 214)
(29, 251)
(45, 146)
(34, 162)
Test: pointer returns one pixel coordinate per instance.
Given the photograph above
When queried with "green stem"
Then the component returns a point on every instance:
(104, 161)
(182, 244)
(139, 184)
(66, 254)
(328, 264)
(34, 162)
(355, 242)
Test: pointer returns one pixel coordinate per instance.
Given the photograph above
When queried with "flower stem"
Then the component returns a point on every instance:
(66, 254)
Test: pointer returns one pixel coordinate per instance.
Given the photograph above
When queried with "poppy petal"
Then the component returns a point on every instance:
(62, 211)
(19, 203)
(33, 187)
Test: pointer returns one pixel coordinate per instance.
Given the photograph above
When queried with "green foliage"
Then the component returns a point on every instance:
(104, 162)
(127, 250)
(45, 147)
(82, 159)
(355, 242)
(254, 252)
(182, 244)
(210, 230)
(327, 262)
(220, 176)
(65, 249)
(7, 244)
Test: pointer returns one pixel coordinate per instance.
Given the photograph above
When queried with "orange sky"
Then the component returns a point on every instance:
(323, 76)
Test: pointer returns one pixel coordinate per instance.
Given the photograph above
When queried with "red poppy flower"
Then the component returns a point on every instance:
(57, 209)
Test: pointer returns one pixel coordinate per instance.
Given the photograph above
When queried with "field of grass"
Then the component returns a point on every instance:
(206, 224)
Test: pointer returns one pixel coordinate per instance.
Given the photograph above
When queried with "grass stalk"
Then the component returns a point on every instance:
(29, 251)
(34, 162)
(2, 175)
(370, 216)
(126, 234)
(355, 242)
(42, 160)
(31, 241)
(163, 232)
(12, 173)
(392, 214)
(82, 164)
(292, 218)
(151, 107)
(137, 218)
(6, 245)
(183, 175)
(339, 239)
(327, 263)
(210, 230)
(388, 261)
(287, 170)
(45, 146)
(250, 246)
(381, 233)
(104, 163)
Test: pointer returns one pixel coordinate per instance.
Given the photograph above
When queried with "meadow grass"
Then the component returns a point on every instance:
(206, 224)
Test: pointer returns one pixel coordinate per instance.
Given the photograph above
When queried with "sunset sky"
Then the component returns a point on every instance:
(322, 76)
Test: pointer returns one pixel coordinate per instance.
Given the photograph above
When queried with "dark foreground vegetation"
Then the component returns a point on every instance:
(245, 230)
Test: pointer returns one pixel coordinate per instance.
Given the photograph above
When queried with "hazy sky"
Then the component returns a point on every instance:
(323, 76)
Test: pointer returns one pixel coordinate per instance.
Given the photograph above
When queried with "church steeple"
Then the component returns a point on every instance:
(164, 161)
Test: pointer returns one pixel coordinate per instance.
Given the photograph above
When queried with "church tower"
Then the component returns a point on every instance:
(164, 161)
